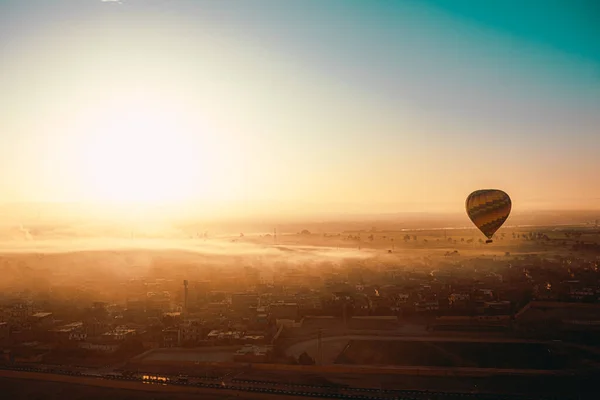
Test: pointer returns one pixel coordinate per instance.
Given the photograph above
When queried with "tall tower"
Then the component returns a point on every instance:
(185, 296)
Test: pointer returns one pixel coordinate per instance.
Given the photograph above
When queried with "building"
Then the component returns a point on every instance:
(262, 316)
(199, 291)
(100, 345)
(99, 305)
(482, 295)
(72, 332)
(18, 315)
(497, 307)
(459, 300)
(217, 307)
(224, 337)
(425, 306)
(171, 337)
(192, 330)
(242, 302)
(42, 320)
(93, 327)
(32, 352)
(119, 334)
(583, 294)
(136, 305)
(108, 342)
(284, 311)
(158, 302)
(253, 339)
(169, 319)
(4, 333)
(253, 354)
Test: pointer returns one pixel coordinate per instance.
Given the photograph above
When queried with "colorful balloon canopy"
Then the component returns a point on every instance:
(488, 209)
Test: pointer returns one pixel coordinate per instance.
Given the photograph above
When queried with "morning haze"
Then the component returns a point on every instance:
(280, 199)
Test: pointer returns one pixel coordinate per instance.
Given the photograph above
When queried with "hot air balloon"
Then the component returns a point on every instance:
(488, 209)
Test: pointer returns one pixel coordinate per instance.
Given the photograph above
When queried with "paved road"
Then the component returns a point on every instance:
(231, 387)
(141, 386)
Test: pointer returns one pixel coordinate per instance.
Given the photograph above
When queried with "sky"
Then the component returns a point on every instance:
(300, 106)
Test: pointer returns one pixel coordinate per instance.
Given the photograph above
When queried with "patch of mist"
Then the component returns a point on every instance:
(209, 247)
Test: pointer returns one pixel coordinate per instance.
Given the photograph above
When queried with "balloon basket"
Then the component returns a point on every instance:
(488, 241)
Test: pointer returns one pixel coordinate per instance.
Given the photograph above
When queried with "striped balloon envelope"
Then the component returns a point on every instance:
(488, 209)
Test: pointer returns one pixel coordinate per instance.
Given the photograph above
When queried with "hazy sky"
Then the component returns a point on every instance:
(301, 105)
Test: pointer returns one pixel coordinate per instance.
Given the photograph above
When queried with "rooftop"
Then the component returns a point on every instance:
(118, 332)
(172, 314)
(68, 327)
(41, 314)
(252, 349)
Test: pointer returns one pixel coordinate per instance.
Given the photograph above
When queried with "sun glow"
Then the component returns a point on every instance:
(146, 152)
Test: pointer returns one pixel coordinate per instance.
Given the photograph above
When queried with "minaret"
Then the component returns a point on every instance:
(185, 296)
